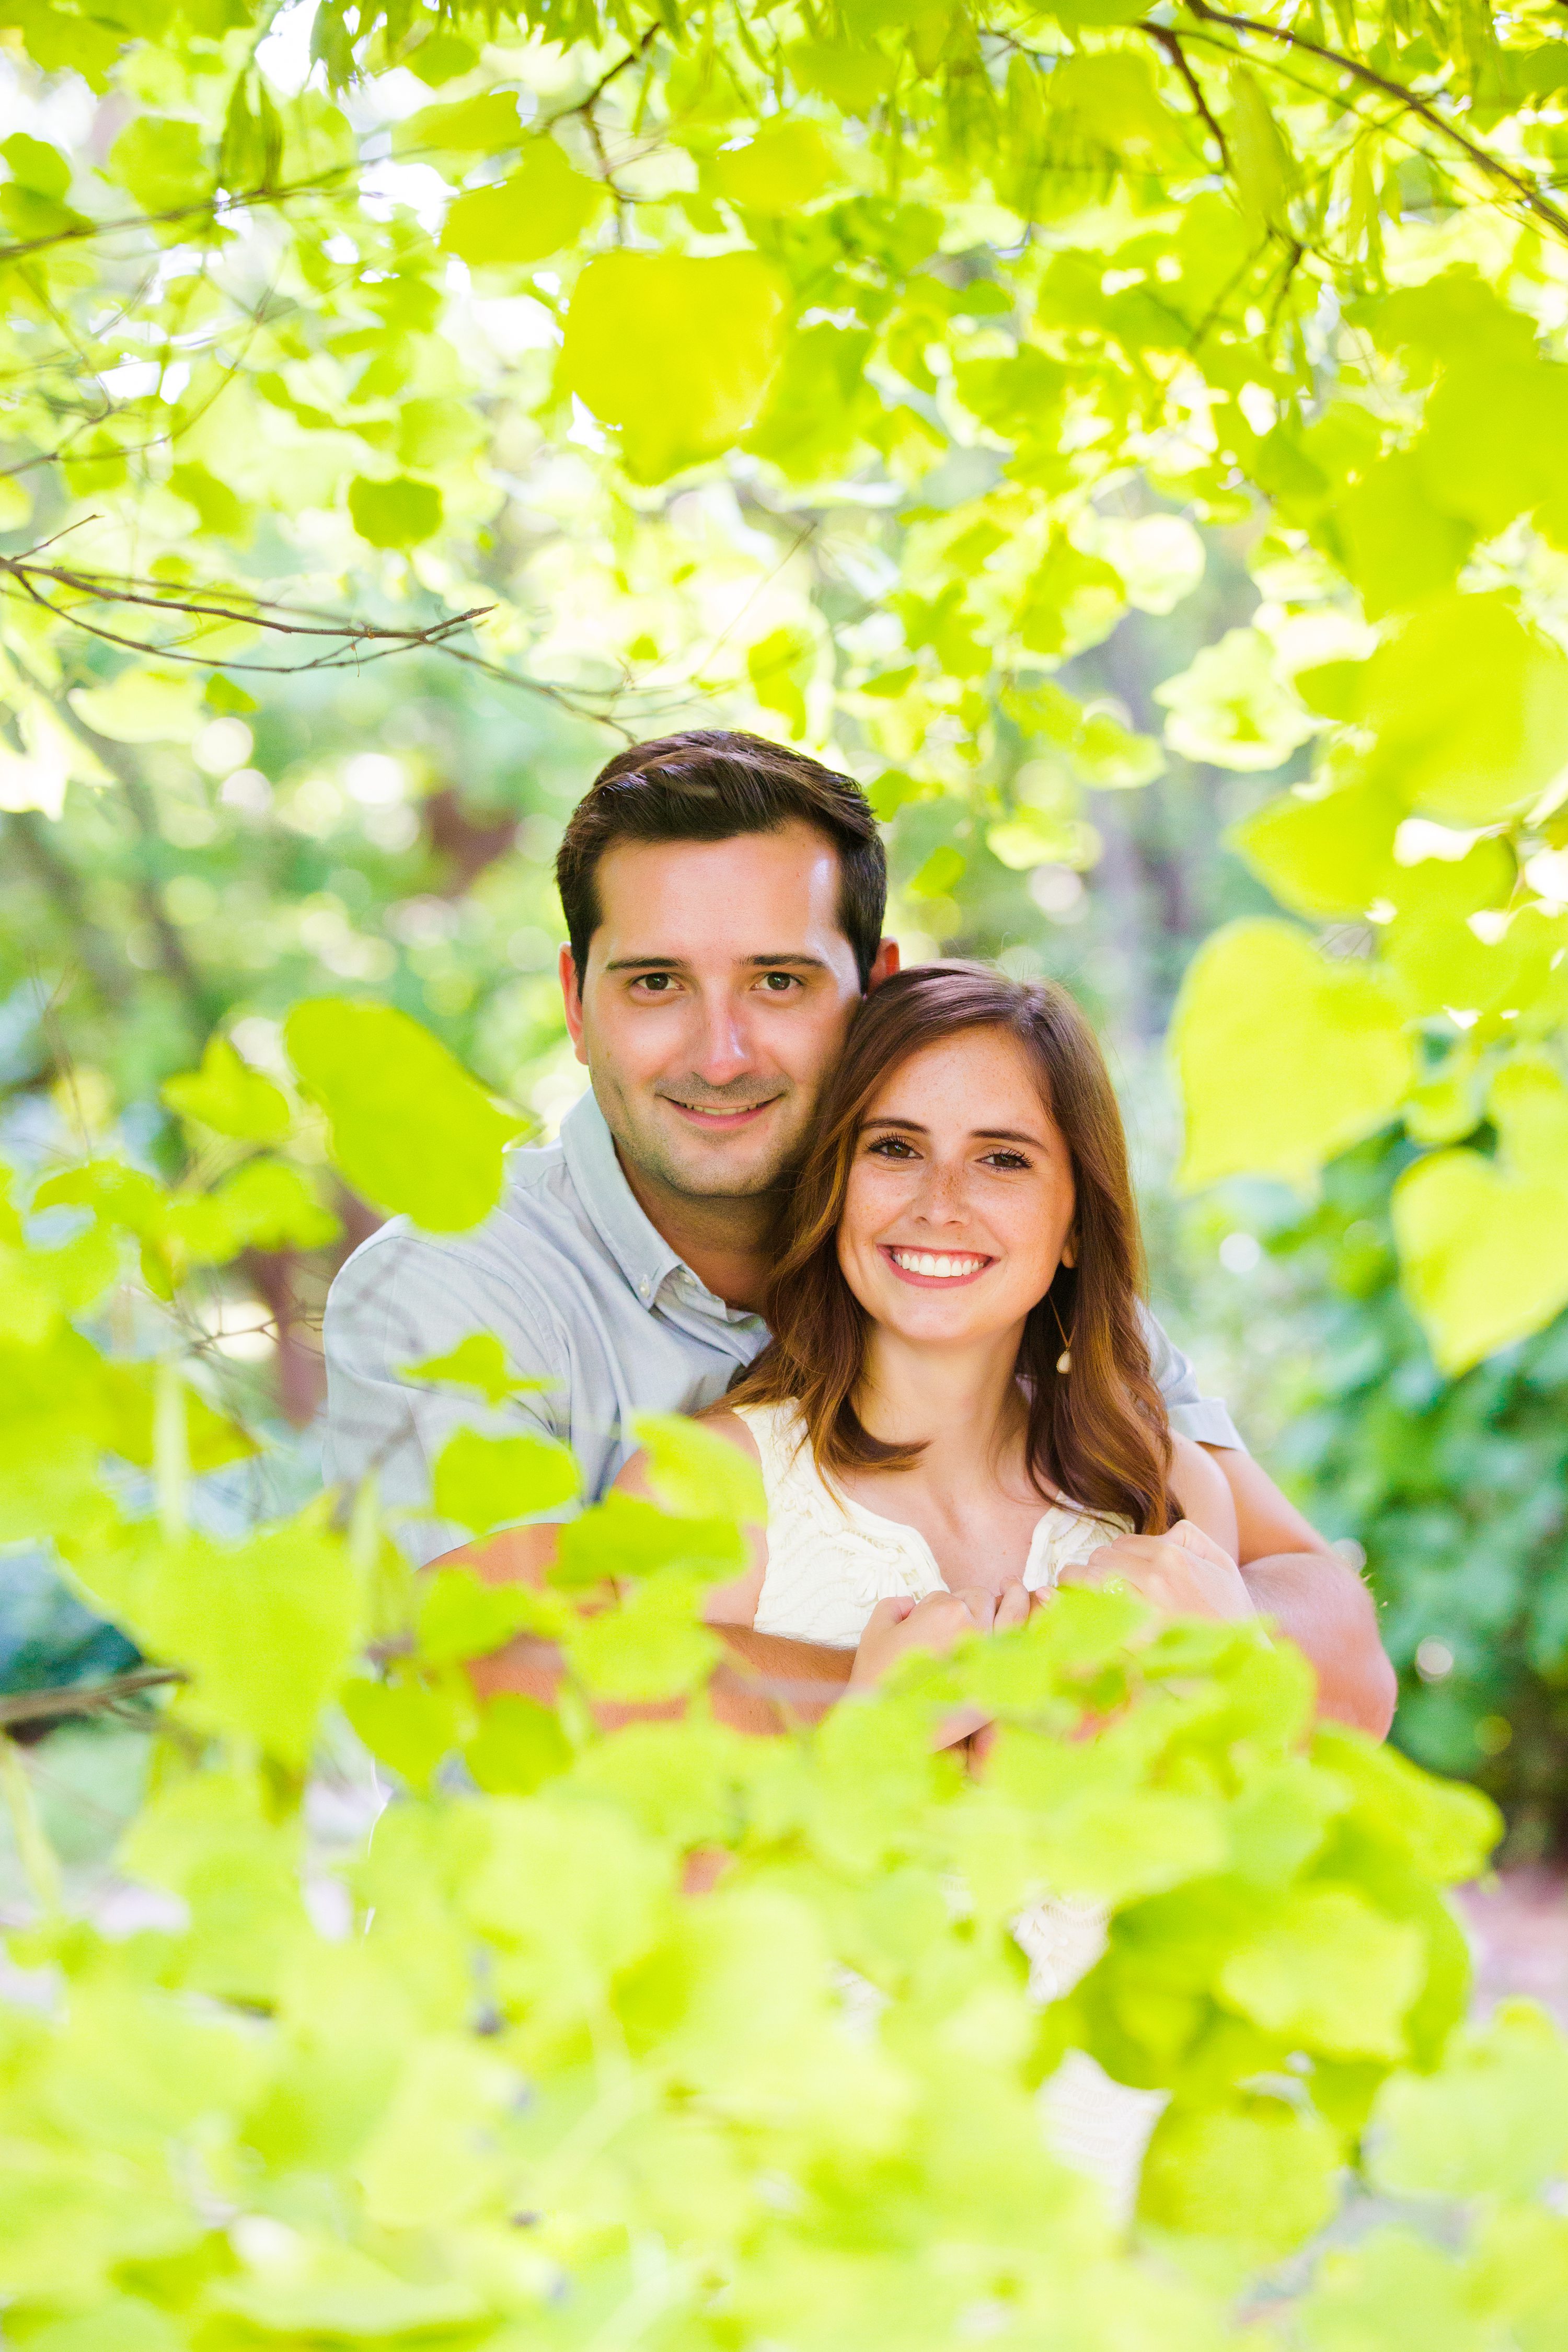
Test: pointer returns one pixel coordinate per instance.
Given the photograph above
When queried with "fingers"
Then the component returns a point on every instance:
(980, 1605)
(1193, 1539)
(889, 1612)
(1011, 1608)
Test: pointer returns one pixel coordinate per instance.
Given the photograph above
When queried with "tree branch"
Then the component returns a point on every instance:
(1179, 58)
(1524, 191)
(84, 1699)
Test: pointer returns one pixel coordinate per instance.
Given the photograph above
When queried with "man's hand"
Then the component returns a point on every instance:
(896, 1627)
(1184, 1573)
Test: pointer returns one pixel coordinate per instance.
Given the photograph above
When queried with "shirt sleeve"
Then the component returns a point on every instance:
(1206, 1419)
(400, 1300)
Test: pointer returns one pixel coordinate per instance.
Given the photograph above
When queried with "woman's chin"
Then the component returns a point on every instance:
(925, 1317)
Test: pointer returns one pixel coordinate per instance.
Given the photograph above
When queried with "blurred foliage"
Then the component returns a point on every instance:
(1457, 1490)
(634, 2027)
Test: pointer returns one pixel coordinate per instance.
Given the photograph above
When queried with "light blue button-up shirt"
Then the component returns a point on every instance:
(583, 1292)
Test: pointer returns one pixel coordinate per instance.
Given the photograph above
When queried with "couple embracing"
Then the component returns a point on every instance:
(877, 1225)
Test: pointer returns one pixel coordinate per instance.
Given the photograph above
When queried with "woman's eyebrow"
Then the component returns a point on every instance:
(976, 1134)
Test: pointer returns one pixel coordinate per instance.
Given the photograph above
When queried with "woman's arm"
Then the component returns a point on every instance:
(1203, 1493)
(734, 1604)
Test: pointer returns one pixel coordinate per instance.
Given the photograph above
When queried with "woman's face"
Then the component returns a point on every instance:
(960, 1203)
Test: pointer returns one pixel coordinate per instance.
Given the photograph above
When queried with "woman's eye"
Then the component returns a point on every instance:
(1005, 1160)
(893, 1147)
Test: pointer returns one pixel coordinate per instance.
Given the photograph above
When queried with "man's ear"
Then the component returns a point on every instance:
(884, 964)
(572, 997)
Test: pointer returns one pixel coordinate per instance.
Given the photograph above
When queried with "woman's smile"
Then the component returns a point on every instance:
(922, 1265)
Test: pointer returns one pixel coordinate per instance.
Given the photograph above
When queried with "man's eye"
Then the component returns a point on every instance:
(656, 983)
(780, 983)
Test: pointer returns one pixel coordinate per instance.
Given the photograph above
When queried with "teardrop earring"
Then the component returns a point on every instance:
(1064, 1361)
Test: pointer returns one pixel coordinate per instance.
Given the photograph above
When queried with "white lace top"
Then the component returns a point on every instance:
(830, 1560)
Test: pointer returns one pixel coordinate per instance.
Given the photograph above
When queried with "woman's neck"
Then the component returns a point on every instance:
(963, 1405)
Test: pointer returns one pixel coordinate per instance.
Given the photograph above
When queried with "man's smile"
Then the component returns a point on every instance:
(720, 1118)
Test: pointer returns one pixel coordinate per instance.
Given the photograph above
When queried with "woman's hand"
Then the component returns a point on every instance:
(1182, 1573)
(896, 1627)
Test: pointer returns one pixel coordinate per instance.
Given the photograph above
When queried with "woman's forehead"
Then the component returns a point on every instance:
(980, 1077)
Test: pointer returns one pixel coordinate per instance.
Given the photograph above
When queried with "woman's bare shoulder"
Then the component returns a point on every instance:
(729, 1426)
(632, 1477)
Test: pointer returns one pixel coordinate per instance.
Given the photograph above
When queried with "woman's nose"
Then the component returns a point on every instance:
(943, 1201)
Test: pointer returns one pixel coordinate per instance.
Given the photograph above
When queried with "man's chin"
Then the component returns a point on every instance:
(725, 1167)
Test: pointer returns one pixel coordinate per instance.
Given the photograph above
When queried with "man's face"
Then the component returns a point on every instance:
(717, 998)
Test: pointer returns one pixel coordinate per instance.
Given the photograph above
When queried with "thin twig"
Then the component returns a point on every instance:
(84, 1699)
(1526, 191)
(1179, 58)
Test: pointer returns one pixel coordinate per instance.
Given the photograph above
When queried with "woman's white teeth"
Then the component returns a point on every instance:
(925, 1262)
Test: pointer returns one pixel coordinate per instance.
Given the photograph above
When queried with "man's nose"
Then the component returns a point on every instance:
(723, 1047)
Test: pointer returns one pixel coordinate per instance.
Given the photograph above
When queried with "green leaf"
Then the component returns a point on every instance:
(410, 1129)
(266, 1627)
(402, 513)
(1325, 853)
(707, 331)
(461, 1617)
(520, 1745)
(34, 165)
(1331, 1973)
(162, 162)
(484, 1483)
(623, 1537)
(228, 1094)
(1394, 2288)
(697, 1474)
(532, 213)
(482, 125)
(651, 1645)
(781, 666)
(1399, 546)
(1264, 167)
(1492, 2121)
(1256, 2173)
(478, 1363)
(1284, 1057)
(1232, 709)
(410, 1726)
(784, 166)
(1469, 710)
(1483, 1244)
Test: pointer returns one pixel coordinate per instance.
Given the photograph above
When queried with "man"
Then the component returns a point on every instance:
(724, 900)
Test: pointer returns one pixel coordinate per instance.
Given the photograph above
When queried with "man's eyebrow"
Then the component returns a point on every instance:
(977, 1134)
(788, 956)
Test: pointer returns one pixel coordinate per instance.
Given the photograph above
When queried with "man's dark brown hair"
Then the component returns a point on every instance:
(709, 785)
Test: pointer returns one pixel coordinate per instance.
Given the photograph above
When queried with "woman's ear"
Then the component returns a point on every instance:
(1069, 1250)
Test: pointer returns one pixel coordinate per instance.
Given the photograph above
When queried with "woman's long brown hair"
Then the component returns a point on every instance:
(1098, 1435)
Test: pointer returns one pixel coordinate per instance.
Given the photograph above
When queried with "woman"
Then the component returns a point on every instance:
(956, 1407)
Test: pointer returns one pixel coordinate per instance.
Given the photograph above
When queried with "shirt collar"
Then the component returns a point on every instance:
(638, 1248)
